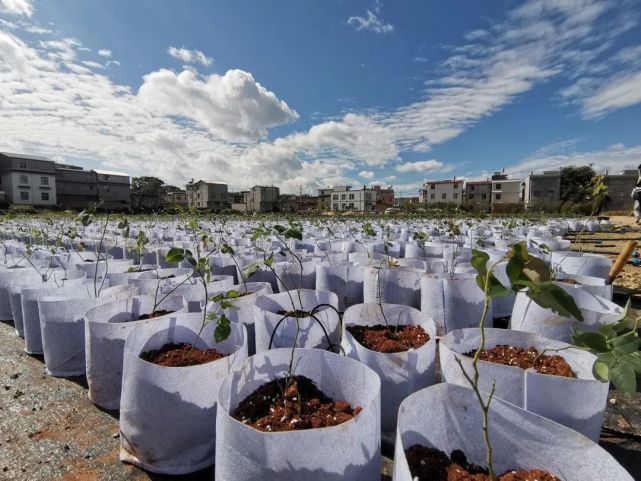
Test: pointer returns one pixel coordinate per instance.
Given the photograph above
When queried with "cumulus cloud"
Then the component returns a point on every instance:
(366, 174)
(16, 7)
(103, 52)
(38, 30)
(233, 106)
(371, 21)
(190, 56)
(432, 165)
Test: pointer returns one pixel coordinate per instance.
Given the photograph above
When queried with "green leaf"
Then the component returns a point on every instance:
(624, 378)
(601, 371)
(250, 270)
(536, 270)
(293, 234)
(175, 254)
(626, 344)
(233, 294)
(227, 249)
(479, 262)
(223, 329)
(280, 229)
(594, 341)
(270, 260)
(551, 296)
(496, 289)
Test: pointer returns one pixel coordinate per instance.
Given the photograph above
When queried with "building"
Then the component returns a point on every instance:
(297, 203)
(506, 191)
(362, 200)
(238, 200)
(619, 188)
(543, 191)
(262, 198)
(384, 198)
(442, 192)
(403, 202)
(77, 188)
(174, 200)
(324, 198)
(207, 195)
(28, 180)
(478, 195)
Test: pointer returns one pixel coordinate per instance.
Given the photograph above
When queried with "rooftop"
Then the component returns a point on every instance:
(25, 156)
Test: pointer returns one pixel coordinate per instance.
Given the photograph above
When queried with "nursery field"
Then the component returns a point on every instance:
(248, 349)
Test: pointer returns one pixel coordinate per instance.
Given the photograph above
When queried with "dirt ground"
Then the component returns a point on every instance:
(611, 243)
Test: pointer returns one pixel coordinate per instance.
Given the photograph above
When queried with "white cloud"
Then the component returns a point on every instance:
(623, 91)
(614, 158)
(38, 30)
(232, 106)
(371, 21)
(190, 56)
(432, 165)
(92, 64)
(16, 7)
(366, 174)
(103, 52)
(420, 59)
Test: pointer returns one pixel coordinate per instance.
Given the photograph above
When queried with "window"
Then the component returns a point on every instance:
(455, 195)
(22, 164)
(432, 196)
(471, 196)
(335, 197)
(443, 195)
(497, 196)
(537, 193)
(343, 196)
(24, 195)
(472, 187)
(44, 195)
(483, 196)
(368, 196)
(24, 179)
(551, 193)
(456, 185)
(351, 196)
(433, 186)
(351, 205)
(44, 180)
(498, 187)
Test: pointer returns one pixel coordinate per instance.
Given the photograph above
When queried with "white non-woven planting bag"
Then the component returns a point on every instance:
(345, 280)
(106, 329)
(597, 311)
(63, 329)
(289, 275)
(520, 439)
(29, 298)
(575, 263)
(401, 373)
(349, 451)
(453, 302)
(394, 285)
(242, 308)
(576, 403)
(194, 294)
(596, 285)
(16, 276)
(168, 414)
(293, 332)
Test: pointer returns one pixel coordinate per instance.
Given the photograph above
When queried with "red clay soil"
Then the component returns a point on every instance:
(157, 313)
(381, 338)
(297, 405)
(429, 464)
(524, 358)
(180, 355)
(297, 313)
(567, 281)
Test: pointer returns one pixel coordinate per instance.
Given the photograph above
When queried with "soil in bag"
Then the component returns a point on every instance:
(297, 313)
(526, 359)
(289, 404)
(180, 355)
(430, 464)
(386, 339)
(158, 313)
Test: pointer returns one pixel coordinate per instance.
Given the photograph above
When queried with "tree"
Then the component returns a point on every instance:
(576, 183)
(148, 185)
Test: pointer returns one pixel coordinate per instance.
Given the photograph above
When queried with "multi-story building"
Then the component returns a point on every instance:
(77, 188)
(619, 188)
(324, 198)
(402, 202)
(262, 198)
(506, 191)
(174, 199)
(362, 200)
(442, 192)
(543, 191)
(28, 179)
(478, 195)
(207, 195)
(384, 198)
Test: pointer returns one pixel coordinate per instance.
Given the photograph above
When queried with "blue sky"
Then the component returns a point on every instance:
(304, 94)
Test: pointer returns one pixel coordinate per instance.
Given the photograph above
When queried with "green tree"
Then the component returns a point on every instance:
(576, 183)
